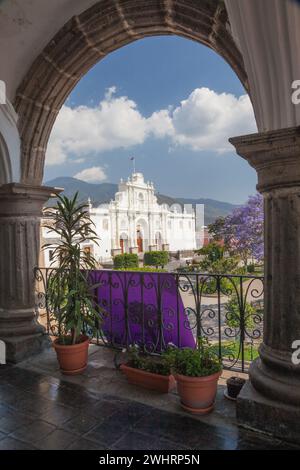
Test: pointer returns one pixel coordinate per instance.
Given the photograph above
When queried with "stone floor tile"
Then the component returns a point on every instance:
(9, 443)
(58, 414)
(108, 432)
(33, 432)
(57, 440)
(13, 421)
(137, 441)
(80, 424)
(85, 444)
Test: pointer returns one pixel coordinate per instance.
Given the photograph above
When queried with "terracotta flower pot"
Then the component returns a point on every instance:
(72, 358)
(160, 383)
(197, 394)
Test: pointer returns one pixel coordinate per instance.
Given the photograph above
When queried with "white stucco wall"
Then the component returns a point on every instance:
(9, 145)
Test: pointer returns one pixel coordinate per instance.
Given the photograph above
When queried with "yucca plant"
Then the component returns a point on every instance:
(69, 293)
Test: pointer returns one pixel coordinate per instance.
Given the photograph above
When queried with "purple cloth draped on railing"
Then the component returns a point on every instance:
(141, 308)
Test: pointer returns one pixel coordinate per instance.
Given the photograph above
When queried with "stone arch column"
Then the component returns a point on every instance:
(20, 211)
(268, 36)
(271, 401)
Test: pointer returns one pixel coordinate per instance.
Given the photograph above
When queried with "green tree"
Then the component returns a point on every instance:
(233, 313)
(156, 258)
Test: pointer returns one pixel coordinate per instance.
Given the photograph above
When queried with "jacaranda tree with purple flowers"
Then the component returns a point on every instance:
(242, 230)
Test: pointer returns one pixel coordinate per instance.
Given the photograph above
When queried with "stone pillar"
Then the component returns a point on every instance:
(271, 400)
(133, 248)
(20, 211)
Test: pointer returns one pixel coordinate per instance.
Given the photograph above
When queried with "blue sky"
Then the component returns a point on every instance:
(172, 104)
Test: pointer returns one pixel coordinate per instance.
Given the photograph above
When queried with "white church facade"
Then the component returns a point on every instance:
(134, 222)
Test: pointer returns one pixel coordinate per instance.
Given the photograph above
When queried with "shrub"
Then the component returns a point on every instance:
(126, 261)
(233, 313)
(199, 362)
(156, 258)
(251, 268)
(213, 251)
(154, 364)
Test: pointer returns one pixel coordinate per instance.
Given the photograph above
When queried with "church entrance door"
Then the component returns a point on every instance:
(139, 241)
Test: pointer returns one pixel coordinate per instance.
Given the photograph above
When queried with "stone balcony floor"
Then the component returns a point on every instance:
(42, 409)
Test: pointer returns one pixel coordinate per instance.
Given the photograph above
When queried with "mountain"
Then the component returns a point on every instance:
(104, 192)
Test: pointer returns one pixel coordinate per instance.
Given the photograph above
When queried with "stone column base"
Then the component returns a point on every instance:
(19, 348)
(261, 414)
(22, 334)
(166, 247)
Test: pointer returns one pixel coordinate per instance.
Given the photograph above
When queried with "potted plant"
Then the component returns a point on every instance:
(151, 372)
(69, 294)
(197, 372)
(234, 386)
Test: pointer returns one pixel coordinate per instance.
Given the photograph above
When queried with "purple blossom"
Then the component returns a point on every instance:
(243, 229)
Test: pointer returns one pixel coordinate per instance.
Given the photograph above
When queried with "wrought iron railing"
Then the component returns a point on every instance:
(153, 309)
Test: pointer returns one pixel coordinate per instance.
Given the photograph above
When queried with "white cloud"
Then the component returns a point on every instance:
(160, 124)
(82, 131)
(95, 174)
(204, 121)
(207, 119)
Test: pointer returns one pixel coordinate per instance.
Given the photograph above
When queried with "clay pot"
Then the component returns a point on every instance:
(157, 382)
(197, 394)
(72, 358)
(234, 386)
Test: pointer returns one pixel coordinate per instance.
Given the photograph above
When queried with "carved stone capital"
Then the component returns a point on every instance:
(23, 200)
(275, 155)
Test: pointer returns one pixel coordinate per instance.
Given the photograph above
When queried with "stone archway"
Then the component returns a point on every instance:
(124, 243)
(87, 38)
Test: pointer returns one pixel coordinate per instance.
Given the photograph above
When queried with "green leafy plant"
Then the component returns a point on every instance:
(156, 258)
(199, 362)
(154, 364)
(251, 268)
(69, 293)
(233, 313)
(126, 261)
